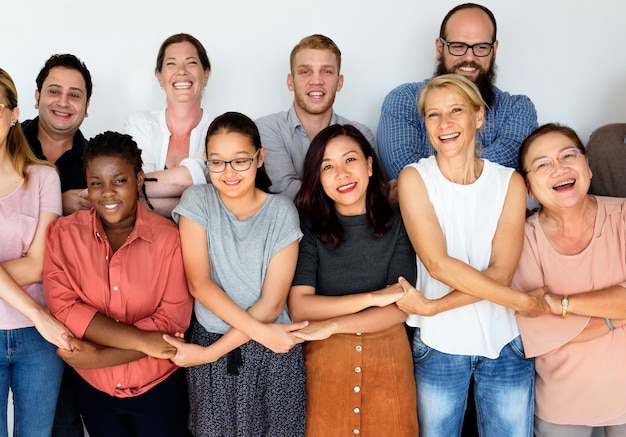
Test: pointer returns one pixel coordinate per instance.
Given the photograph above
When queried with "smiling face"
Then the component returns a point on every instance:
(565, 184)
(182, 76)
(451, 122)
(315, 80)
(62, 102)
(230, 146)
(470, 26)
(344, 174)
(112, 186)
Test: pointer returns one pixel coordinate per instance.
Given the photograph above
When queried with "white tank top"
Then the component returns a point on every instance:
(468, 215)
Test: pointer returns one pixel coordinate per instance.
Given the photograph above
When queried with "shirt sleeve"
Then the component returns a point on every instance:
(173, 312)
(308, 259)
(403, 262)
(399, 131)
(197, 168)
(547, 332)
(139, 129)
(62, 298)
(50, 199)
(515, 118)
(278, 163)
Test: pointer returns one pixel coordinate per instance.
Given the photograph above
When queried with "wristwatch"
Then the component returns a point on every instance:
(564, 304)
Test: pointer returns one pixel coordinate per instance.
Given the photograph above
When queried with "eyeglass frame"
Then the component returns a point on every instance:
(547, 170)
(250, 161)
(468, 46)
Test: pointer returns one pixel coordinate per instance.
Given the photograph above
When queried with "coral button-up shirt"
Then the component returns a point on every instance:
(142, 284)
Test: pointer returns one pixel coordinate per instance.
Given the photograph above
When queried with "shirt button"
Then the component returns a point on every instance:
(115, 288)
(119, 384)
(358, 333)
(357, 389)
(359, 348)
(356, 410)
(357, 369)
(356, 432)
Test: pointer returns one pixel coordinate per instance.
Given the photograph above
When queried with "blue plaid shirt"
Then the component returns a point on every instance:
(402, 138)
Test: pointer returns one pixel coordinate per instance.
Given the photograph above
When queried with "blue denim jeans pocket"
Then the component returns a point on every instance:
(421, 351)
(517, 347)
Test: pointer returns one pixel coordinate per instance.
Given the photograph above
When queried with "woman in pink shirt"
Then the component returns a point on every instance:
(576, 247)
(30, 199)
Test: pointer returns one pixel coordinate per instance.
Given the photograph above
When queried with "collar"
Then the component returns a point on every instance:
(143, 226)
(31, 131)
(295, 124)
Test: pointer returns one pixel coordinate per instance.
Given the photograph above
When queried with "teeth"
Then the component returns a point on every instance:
(467, 68)
(316, 93)
(110, 207)
(562, 184)
(62, 114)
(449, 136)
(346, 187)
(179, 85)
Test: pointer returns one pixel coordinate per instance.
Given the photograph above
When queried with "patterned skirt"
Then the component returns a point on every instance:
(253, 392)
(361, 385)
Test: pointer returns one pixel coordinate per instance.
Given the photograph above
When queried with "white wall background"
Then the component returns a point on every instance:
(567, 56)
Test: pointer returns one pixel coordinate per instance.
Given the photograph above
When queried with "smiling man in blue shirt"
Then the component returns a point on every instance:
(466, 45)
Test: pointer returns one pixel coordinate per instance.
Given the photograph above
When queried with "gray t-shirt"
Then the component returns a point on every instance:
(239, 250)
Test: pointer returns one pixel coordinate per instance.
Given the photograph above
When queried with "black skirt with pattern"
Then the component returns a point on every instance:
(251, 392)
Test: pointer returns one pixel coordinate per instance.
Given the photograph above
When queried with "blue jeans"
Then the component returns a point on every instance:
(30, 367)
(504, 391)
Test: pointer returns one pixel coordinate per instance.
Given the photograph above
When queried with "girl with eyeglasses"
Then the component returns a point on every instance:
(240, 247)
(575, 245)
(30, 199)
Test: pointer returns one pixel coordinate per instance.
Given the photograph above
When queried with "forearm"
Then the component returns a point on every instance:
(12, 293)
(170, 182)
(369, 320)
(597, 327)
(107, 332)
(315, 307)
(162, 206)
(465, 278)
(25, 270)
(608, 302)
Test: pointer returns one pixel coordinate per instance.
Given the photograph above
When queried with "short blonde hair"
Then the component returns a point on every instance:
(316, 42)
(465, 87)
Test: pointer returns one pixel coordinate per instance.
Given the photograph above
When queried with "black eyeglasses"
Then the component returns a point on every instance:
(480, 49)
(237, 164)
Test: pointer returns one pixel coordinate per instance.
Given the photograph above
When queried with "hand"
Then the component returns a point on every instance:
(75, 200)
(388, 295)
(537, 303)
(316, 331)
(189, 354)
(278, 337)
(414, 302)
(53, 330)
(83, 355)
(554, 303)
(155, 346)
(393, 192)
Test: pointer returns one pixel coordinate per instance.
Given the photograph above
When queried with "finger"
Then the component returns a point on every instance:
(297, 325)
(172, 341)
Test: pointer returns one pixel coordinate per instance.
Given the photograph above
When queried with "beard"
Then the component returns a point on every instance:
(484, 81)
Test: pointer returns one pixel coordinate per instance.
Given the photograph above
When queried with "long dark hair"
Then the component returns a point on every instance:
(236, 122)
(314, 203)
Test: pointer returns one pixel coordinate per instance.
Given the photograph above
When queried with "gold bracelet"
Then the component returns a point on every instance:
(564, 305)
